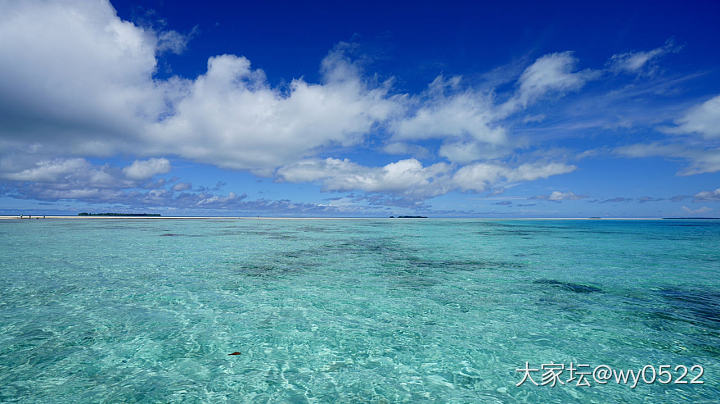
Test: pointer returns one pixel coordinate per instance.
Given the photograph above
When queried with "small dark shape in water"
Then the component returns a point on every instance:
(234, 353)
(573, 287)
(169, 235)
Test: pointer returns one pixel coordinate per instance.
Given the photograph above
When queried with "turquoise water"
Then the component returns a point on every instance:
(352, 310)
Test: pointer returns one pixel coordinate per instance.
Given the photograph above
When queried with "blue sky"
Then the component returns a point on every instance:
(507, 109)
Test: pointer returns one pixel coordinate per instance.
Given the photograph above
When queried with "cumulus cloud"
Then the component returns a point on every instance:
(410, 179)
(76, 81)
(557, 196)
(67, 174)
(439, 115)
(407, 177)
(470, 121)
(46, 171)
(74, 178)
(74, 77)
(467, 120)
(479, 176)
(79, 180)
(144, 169)
(634, 62)
(232, 118)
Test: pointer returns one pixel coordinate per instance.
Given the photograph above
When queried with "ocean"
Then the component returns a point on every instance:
(368, 310)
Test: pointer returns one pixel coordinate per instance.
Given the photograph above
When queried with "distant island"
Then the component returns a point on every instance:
(409, 217)
(118, 214)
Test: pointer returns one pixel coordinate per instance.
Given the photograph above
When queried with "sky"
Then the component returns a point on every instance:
(443, 109)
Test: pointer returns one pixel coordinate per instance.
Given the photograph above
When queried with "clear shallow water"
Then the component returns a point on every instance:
(352, 311)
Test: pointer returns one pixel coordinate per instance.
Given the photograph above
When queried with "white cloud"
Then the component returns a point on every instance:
(557, 196)
(479, 176)
(634, 62)
(67, 173)
(172, 41)
(534, 171)
(469, 151)
(708, 195)
(232, 118)
(47, 171)
(703, 119)
(74, 77)
(646, 150)
(411, 179)
(534, 118)
(77, 179)
(77, 80)
(215, 199)
(470, 122)
(74, 178)
(79, 174)
(144, 169)
(407, 177)
(182, 186)
(702, 159)
(550, 73)
(461, 114)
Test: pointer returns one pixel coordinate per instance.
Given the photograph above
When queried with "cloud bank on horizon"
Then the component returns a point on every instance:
(85, 117)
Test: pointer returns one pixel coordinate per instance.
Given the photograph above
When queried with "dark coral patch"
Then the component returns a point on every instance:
(573, 287)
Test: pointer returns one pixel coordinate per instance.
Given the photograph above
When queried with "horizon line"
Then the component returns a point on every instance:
(39, 216)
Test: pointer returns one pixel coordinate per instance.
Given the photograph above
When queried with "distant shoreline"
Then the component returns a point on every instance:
(69, 217)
